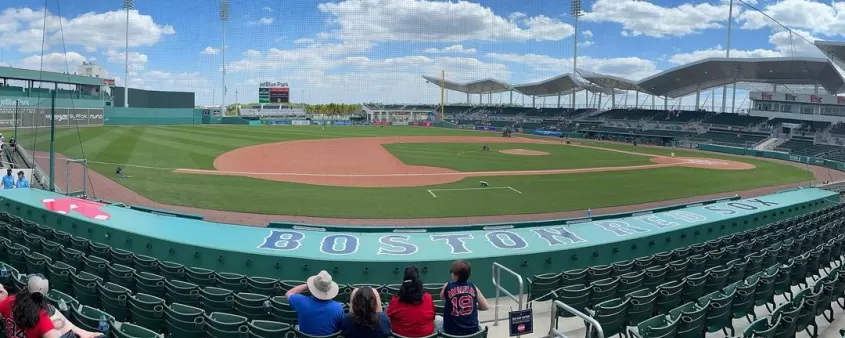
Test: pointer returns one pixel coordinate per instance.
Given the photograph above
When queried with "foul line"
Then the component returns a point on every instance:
(431, 191)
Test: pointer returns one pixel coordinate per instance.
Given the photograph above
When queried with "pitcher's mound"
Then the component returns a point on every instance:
(523, 152)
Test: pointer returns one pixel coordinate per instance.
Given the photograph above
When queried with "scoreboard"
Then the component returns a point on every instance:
(274, 92)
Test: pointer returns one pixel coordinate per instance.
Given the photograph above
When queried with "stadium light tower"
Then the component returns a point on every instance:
(576, 12)
(128, 5)
(224, 16)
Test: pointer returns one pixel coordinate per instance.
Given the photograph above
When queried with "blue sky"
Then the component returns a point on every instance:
(376, 50)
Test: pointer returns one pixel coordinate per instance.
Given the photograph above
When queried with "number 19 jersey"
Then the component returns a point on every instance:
(460, 313)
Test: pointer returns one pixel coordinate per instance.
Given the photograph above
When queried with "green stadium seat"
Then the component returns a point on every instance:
(599, 272)
(184, 321)
(268, 329)
(52, 249)
(433, 289)
(761, 328)
(199, 276)
(150, 284)
(691, 318)
(120, 256)
(612, 315)
(56, 297)
(146, 264)
(576, 296)
(654, 276)
(718, 315)
(88, 318)
(181, 292)
(114, 300)
(695, 286)
(252, 306)
(697, 264)
(85, 288)
(573, 277)
(72, 257)
(172, 271)
(121, 275)
(99, 250)
(630, 282)
(17, 255)
(603, 290)
(37, 263)
(717, 278)
(231, 281)
(439, 305)
(808, 298)
(16, 235)
(661, 326)
(61, 237)
(94, 265)
(281, 311)
(214, 299)
(32, 241)
(669, 296)
(676, 270)
(623, 267)
(147, 311)
(225, 325)
(642, 305)
(265, 286)
(540, 286)
(129, 330)
(743, 303)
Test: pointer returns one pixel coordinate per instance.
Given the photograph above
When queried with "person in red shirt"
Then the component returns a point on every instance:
(411, 312)
(25, 314)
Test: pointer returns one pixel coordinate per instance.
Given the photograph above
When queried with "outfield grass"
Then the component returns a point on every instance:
(469, 157)
(160, 149)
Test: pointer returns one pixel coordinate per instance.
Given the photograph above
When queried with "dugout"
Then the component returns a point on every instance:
(628, 136)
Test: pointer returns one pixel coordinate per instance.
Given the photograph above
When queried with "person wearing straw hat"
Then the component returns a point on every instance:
(37, 288)
(318, 315)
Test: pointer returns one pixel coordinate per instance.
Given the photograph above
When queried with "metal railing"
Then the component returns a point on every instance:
(554, 332)
(497, 283)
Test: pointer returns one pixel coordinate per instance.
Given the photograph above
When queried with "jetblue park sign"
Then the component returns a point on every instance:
(269, 84)
(10, 102)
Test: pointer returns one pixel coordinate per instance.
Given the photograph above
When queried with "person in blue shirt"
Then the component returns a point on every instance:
(22, 182)
(8, 180)
(366, 318)
(317, 315)
(462, 301)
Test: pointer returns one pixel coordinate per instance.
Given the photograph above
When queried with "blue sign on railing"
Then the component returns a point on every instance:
(521, 322)
(487, 128)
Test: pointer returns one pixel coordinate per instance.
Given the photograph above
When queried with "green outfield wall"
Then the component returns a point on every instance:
(151, 116)
(773, 154)
(379, 255)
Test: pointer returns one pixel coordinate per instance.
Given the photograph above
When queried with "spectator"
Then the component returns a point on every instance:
(22, 182)
(25, 314)
(318, 315)
(8, 180)
(462, 300)
(366, 318)
(411, 312)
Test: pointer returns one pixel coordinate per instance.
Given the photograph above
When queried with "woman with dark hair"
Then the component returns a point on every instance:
(411, 311)
(26, 313)
(365, 318)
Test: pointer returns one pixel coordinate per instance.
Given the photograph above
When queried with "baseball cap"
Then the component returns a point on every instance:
(37, 283)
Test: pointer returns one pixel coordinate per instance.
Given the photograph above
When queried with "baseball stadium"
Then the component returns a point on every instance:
(598, 185)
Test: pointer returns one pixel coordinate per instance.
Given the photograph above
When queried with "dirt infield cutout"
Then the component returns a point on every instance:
(524, 152)
(364, 162)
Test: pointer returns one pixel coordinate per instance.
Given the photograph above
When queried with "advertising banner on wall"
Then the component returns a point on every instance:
(342, 123)
(487, 128)
(421, 124)
(547, 133)
(380, 123)
(301, 122)
(278, 122)
(400, 123)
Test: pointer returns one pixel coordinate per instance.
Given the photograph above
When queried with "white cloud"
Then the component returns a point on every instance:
(812, 16)
(315, 56)
(23, 28)
(436, 21)
(262, 21)
(645, 18)
(454, 49)
(587, 38)
(210, 51)
(627, 67)
(54, 62)
(137, 61)
(303, 41)
(719, 52)
(267, 9)
(783, 45)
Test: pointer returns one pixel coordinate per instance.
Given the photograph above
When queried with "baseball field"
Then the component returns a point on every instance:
(395, 172)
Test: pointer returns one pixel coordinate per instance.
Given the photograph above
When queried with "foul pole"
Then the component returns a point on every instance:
(53, 140)
(442, 95)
